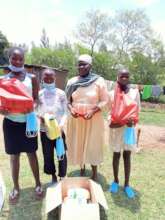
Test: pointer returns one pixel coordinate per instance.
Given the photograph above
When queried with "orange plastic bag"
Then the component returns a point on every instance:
(14, 97)
(123, 108)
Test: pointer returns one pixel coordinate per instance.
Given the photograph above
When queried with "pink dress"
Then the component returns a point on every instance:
(85, 138)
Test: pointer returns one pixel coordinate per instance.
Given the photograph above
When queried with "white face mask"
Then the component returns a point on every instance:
(16, 69)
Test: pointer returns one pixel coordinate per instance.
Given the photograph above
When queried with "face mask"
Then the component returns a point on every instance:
(16, 69)
(49, 86)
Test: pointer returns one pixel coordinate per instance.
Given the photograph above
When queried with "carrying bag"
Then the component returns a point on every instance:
(14, 97)
(123, 108)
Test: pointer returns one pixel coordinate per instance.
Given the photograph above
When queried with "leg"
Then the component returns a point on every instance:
(15, 165)
(62, 164)
(62, 167)
(114, 187)
(48, 154)
(127, 166)
(94, 172)
(115, 164)
(33, 161)
(82, 170)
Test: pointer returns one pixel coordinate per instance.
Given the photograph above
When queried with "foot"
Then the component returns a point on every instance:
(82, 171)
(39, 193)
(114, 187)
(14, 196)
(54, 179)
(94, 178)
(129, 192)
(61, 178)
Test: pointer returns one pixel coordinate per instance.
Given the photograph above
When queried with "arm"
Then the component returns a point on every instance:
(35, 89)
(103, 95)
(103, 99)
(64, 107)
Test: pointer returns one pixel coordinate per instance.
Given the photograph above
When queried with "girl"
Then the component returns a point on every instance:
(52, 101)
(14, 127)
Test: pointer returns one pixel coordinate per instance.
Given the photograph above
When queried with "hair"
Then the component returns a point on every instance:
(13, 49)
(122, 70)
(47, 69)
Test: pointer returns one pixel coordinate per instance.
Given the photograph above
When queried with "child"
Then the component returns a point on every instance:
(117, 133)
(52, 101)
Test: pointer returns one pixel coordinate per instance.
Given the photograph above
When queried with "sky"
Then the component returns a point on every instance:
(22, 21)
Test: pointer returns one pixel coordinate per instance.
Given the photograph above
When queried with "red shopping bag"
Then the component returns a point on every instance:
(123, 108)
(14, 97)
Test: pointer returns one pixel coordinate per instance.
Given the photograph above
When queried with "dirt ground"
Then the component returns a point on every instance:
(152, 136)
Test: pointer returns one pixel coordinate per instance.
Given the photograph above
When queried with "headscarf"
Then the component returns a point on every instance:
(80, 82)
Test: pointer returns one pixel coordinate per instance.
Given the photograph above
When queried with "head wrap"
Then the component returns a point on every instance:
(85, 58)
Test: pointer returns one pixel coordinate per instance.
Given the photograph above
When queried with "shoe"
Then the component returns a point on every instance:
(114, 187)
(129, 192)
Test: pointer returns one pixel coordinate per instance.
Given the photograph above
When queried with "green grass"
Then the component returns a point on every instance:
(152, 117)
(148, 178)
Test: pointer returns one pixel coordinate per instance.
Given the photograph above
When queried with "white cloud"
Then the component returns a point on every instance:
(25, 26)
(143, 3)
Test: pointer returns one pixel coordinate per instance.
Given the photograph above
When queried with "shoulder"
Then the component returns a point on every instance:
(72, 80)
(134, 91)
(41, 92)
(30, 75)
(60, 92)
(100, 81)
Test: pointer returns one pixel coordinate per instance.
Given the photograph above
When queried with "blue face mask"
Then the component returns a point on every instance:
(49, 86)
(16, 69)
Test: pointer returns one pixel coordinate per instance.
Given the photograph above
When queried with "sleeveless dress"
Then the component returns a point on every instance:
(14, 127)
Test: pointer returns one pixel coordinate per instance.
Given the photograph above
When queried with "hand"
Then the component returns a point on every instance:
(130, 122)
(74, 113)
(42, 120)
(4, 112)
(89, 115)
(115, 125)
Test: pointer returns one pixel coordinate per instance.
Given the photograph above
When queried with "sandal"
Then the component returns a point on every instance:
(39, 192)
(14, 196)
(114, 187)
(129, 192)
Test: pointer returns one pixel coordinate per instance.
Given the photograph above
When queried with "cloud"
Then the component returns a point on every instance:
(24, 24)
(143, 3)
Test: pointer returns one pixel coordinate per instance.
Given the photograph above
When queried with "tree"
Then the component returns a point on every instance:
(93, 29)
(131, 32)
(44, 39)
(144, 70)
(3, 45)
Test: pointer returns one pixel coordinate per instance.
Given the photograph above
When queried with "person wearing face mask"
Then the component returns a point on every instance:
(87, 96)
(14, 127)
(53, 102)
(116, 139)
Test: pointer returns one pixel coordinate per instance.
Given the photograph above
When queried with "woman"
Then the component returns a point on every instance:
(52, 101)
(14, 127)
(87, 96)
(117, 133)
